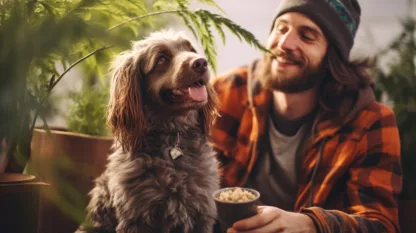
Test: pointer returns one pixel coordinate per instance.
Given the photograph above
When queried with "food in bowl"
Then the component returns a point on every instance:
(236, 195)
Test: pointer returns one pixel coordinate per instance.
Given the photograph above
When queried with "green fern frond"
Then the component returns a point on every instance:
(206, 37)
(200, 22)
(81, 7)
(209, 45)
(188, 24)
(163, 4)
(212, 3)
(195, 20)
(203, 21)
(87, 3)
(47, 7)
(141, 5)
(234, 28)
(183, 4)
(220, 32)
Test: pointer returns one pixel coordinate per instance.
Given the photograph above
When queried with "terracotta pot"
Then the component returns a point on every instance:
(69, 162)
(19, 201)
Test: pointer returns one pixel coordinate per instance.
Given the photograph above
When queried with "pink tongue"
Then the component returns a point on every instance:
(198, 93)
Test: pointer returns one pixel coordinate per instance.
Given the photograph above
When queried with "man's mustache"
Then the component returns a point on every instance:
(287, 56)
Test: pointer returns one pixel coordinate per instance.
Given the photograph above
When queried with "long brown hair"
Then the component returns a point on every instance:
(125, 111)
(343, 81)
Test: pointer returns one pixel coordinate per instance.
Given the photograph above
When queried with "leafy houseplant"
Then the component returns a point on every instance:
(36, 35)
(398, 81)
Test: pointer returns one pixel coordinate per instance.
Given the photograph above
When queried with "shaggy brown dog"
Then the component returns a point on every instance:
(163, 173)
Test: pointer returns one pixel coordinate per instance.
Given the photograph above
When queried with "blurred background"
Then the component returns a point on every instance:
(54, 81)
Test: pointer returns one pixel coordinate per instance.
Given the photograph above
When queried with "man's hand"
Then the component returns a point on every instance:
(271, 220)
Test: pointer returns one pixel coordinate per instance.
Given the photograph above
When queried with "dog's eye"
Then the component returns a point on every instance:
(161, 60)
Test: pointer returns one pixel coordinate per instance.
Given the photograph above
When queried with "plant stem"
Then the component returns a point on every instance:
(144, 16)
(35, 116)
(76, 63)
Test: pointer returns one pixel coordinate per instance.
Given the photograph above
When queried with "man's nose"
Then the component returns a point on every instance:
(288, 41)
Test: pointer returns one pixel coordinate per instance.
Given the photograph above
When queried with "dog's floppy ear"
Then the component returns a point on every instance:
(125, 114)
(209, 111)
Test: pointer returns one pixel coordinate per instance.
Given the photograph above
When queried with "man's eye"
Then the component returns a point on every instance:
(307, 37)
(281, 29)
(161, 60)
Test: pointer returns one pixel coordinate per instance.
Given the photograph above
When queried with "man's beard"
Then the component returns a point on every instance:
(307, 78)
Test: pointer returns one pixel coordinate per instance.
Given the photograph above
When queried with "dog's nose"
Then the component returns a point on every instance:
(199, 65)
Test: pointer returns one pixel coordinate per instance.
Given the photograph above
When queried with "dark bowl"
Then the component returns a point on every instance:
(231, 212)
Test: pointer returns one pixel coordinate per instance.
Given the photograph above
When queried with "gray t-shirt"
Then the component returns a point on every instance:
(275, 174)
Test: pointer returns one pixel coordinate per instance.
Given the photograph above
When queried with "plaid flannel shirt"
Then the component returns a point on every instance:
(359, 178)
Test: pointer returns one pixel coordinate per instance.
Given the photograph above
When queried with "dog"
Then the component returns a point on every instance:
(163, 171)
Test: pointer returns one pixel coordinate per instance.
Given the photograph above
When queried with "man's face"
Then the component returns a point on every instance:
(300, 47)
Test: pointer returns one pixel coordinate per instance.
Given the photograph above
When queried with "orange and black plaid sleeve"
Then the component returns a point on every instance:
(374, 185)
(231, 89)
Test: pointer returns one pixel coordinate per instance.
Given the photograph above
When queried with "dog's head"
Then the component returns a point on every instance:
(162, 73)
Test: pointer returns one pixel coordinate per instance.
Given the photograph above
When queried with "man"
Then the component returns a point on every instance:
(304, 129)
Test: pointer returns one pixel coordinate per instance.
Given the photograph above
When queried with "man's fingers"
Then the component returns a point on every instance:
(262, 219)
(260, 209)
(270, 227)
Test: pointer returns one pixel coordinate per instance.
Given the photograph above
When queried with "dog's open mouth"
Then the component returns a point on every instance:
(196, 92)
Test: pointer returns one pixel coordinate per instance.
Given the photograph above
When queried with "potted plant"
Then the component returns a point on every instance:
(71, 158)
(36, 35)
(32, 39)
(397, 80)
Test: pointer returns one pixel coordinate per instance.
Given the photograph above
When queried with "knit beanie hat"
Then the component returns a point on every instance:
(338, 19)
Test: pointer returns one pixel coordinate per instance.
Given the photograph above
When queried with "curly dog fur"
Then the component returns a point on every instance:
(160, 97)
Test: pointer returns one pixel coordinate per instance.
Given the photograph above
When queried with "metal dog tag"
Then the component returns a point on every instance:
(175, 152)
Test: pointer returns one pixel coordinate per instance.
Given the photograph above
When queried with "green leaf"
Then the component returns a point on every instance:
(212, 3)
(235, 29)
(183, 4)
(220, 32)
(187, 23)
(141, 5)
